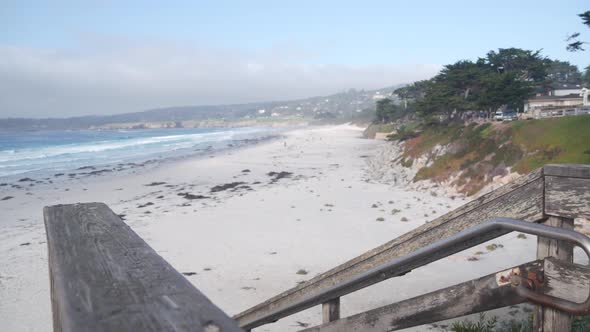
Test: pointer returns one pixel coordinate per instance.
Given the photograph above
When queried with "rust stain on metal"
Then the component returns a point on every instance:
(537, 279)
(505, 277)
(533, 280)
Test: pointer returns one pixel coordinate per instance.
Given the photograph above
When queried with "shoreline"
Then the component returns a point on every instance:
(250, 223)
(87, 170)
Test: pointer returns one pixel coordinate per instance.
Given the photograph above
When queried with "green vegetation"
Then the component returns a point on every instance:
(556, 140)
(483, 324)
(580, 324)
(503, 77)
(431, 118)
(405, 132)
(386, 111)
(466, 89)
(477, 153)
(575, 44)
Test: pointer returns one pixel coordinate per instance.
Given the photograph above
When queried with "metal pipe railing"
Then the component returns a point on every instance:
(493, 224)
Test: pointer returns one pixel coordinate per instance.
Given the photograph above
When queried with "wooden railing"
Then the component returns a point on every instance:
(105, 278)
(554, 195)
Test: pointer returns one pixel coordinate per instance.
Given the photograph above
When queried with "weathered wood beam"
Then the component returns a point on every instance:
(521, 199)
(331, 310)
(104, 277)
(567, 190)
(567, 197)
(548, 319)
(568, 281)
(567, 170)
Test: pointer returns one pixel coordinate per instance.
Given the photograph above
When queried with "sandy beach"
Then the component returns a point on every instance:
(246, 224)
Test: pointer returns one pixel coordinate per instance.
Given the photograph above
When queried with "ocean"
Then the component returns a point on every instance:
(45, 152)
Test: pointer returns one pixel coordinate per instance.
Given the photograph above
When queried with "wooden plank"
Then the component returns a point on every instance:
(566, 281)
(567, 170)
(331, 310)
(567, 197)
(548, 319)
(104, 277)
(521, 199)
(466, 298)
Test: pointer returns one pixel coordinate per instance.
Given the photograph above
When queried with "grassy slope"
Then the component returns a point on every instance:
(476, 153)
(559, 140)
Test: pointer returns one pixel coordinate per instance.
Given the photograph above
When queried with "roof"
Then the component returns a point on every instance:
(566, 86)
(570, 96)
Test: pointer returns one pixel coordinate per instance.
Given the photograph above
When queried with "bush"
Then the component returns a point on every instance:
(482, 325)
(404, 133)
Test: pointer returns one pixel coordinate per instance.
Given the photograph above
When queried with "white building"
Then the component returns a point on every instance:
(378, 96)
(553, 102)
(566, 89)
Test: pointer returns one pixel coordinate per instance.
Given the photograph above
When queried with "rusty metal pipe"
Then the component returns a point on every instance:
(561, 234)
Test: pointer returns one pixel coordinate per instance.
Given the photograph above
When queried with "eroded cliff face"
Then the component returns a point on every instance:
(472, 159)
(388, 165)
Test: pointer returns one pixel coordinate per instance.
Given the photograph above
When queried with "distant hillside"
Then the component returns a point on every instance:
(340, 105)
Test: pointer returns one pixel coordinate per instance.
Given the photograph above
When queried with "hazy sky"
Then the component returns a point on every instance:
(64, 58)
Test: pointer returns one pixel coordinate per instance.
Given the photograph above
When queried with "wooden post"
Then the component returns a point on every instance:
(547, 319)
(331, 310)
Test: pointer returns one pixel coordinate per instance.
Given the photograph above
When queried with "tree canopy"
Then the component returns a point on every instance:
(506, 77)
(576, 44)
(586, 77)
(387, 111)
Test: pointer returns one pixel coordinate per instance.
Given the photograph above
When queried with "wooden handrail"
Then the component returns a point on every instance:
(104, 277)
(442, 248)
(566, 186)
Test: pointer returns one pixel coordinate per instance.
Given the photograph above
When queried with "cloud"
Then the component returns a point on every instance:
(108, 78)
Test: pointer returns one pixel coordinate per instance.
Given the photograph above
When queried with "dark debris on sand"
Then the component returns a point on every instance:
(276, 176)
(144, 205)
(192, 196)
(100, 172)
(226, 186)
(154, 184)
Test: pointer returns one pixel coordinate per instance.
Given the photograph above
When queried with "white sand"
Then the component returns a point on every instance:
(247, 246)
